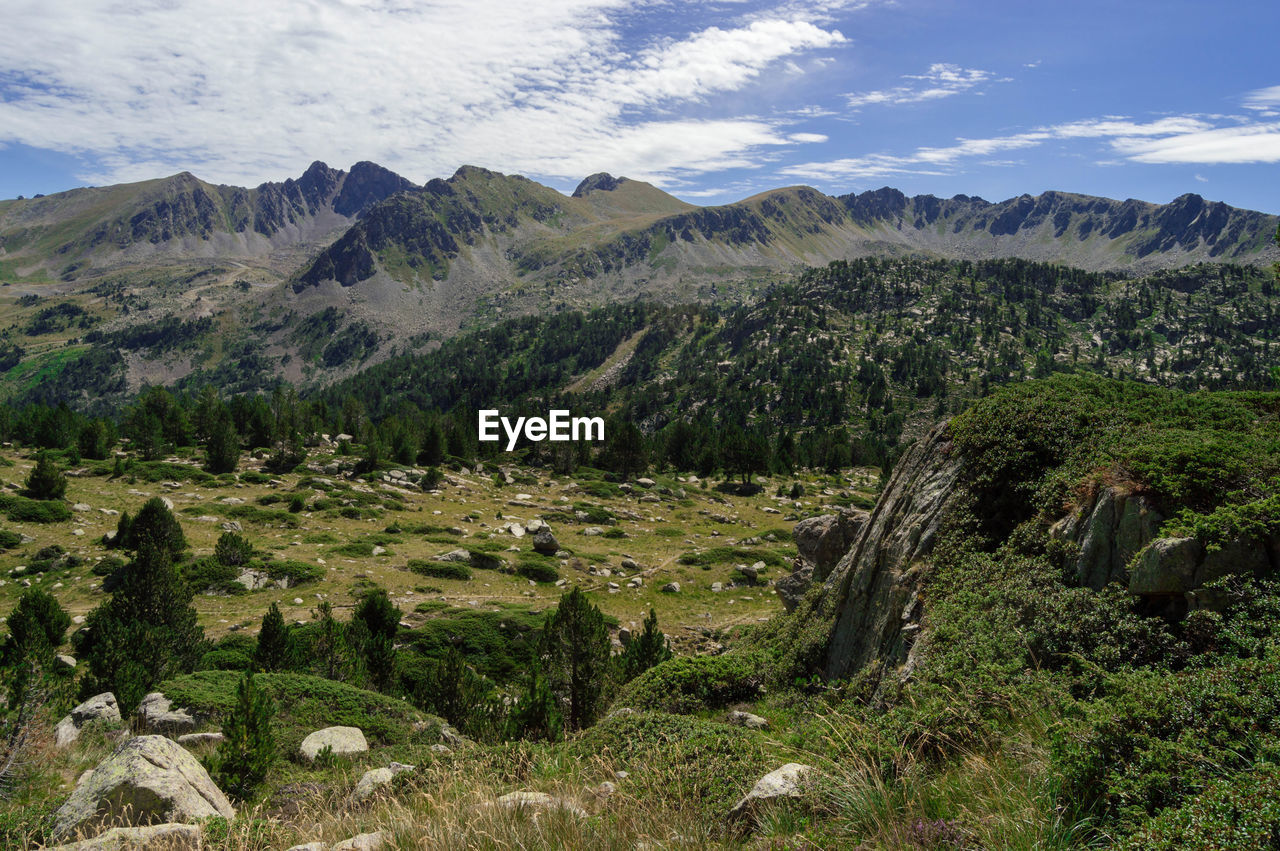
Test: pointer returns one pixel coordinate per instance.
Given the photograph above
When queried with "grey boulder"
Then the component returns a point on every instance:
(147, 779)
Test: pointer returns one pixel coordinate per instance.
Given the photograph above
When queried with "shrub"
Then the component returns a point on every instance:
(304, 704)
(439, 570)
(297, 572)
(1157, 740)
(22, 510)
(9, 540)
(537, 570)
(690, 762)
(689, 684)
(1242, 811)
(233, 550)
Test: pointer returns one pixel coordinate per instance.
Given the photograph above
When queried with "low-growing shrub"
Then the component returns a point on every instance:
(689, 684)
(439, 570)
(19, 509)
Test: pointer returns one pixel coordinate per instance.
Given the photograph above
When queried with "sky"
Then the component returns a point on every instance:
(711, 101)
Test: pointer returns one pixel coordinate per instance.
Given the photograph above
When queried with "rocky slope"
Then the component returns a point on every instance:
(182, 217)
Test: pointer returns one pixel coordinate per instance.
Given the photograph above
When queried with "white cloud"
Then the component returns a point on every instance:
(940, 81)
(1173, 139)
(1263, 99)
(1254, 143)
(242, 91)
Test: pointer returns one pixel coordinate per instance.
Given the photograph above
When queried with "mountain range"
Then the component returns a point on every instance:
(282, 270)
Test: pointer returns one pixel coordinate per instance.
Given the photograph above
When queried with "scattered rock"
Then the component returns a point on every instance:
(191, 740)
(746, 719)
(343, 740)
(717, 587)
(66, 661)
(645, 483)
(146, 779)
(782, 783)
(229, 526)
(80, 506)
(591, 531)
(671, 588)
(362, 842)
(455, 555)
(156, 715)
(374, 780)
(538, 802)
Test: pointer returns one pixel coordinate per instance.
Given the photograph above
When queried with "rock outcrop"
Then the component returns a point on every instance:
(1178, 568)
(1111, 528)
(146, 780)
(820, 543)
(875, 585)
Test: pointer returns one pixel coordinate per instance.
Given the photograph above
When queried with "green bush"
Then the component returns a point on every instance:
(439, 570)
(305, 704)
(1157, 739)
(537, 570)
(19, 509)
(689, 684)
(733, 555)
(690, 763)
(9, 540)
(297, 572)
(209, 574)
(1242, 811)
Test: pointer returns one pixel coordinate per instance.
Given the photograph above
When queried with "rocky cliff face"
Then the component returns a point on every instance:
(876, 584)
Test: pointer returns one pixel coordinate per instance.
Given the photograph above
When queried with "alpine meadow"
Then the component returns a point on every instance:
(430, 505)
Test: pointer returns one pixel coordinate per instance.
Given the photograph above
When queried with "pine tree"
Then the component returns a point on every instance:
(154, 524)
(575, 653)
(46, 480)
(146, 633)
(248, 749)
(328, 649)
(275, 643)
(645, 650)
(222, 448)
(536, 715)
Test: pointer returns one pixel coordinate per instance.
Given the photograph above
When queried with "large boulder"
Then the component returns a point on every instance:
(544, 542)
(156, 715)
(784, 782)
(100, 707)
(146, 780)
(822, 541)
(342, 741)
(156, 837)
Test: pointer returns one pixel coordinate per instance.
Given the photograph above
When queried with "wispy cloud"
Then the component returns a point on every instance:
(1172, 139)
(940, 81)
(1264, 100)
(1250, 143)
(256, 89)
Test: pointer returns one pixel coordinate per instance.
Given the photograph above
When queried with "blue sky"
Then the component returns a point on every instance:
(711, 101)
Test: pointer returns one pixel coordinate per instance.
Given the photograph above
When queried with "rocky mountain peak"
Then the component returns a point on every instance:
(601, 181)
